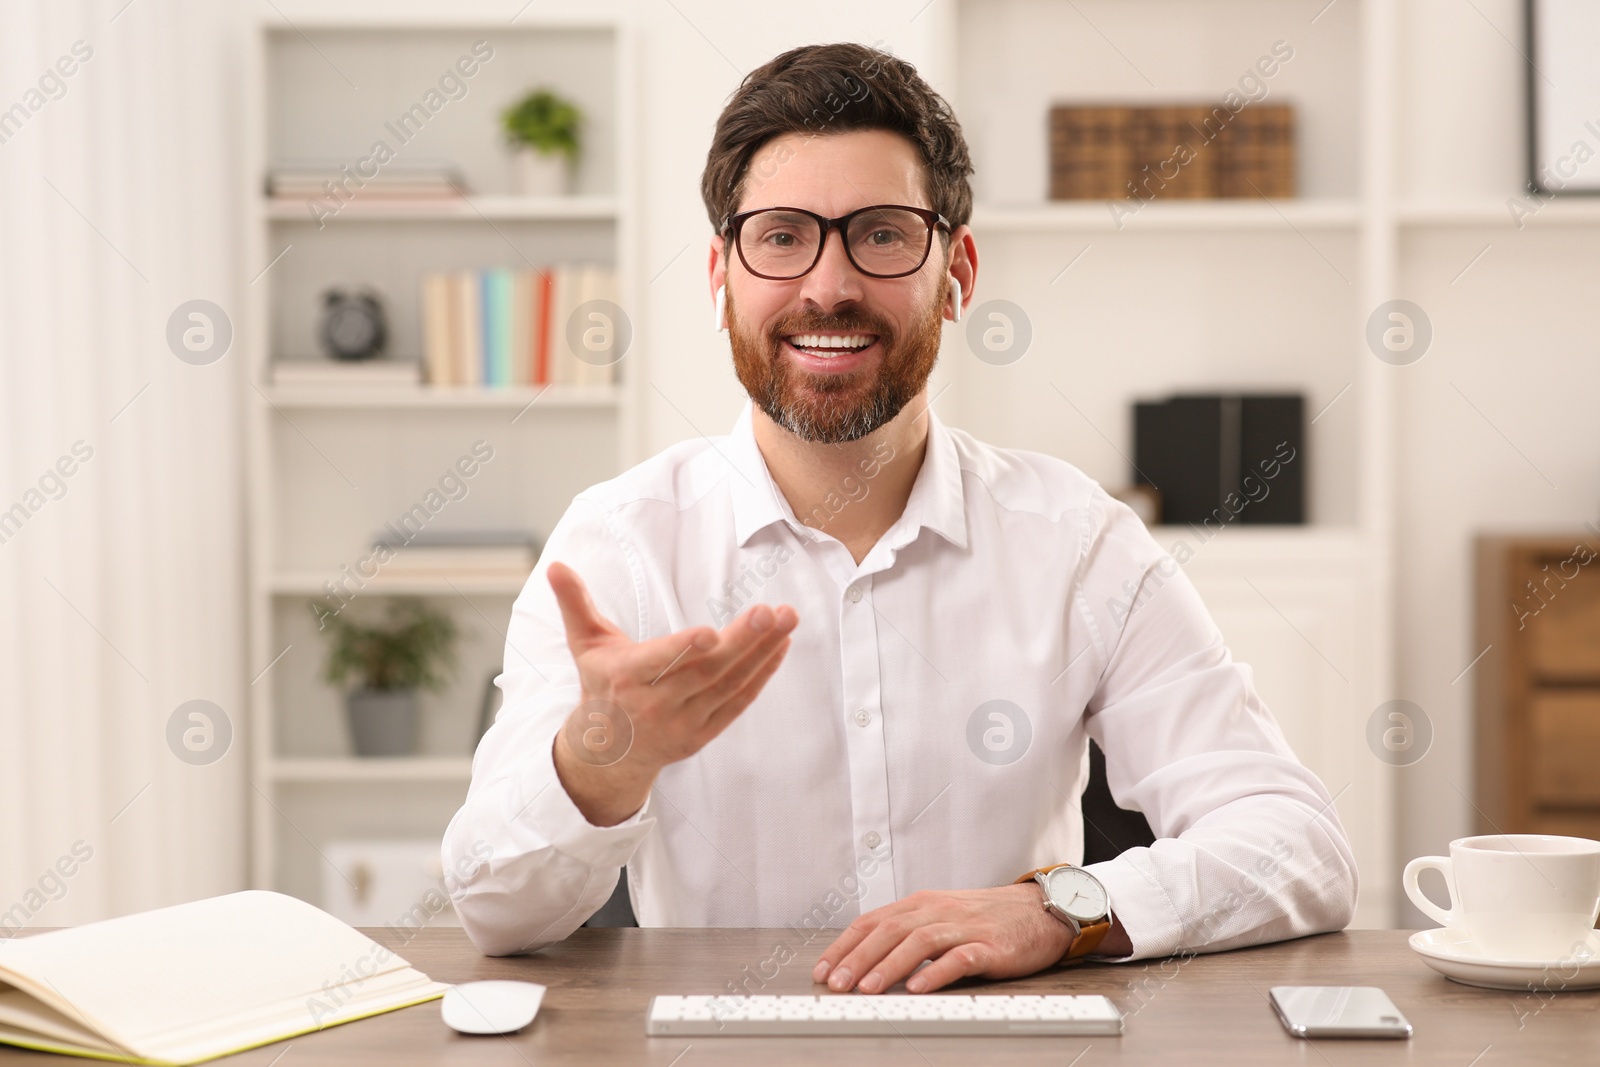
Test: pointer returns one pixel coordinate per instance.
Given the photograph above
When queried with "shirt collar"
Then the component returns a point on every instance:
(936, 501)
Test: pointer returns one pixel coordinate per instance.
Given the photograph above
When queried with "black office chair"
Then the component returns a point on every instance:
(618, 911)
(1108, 831)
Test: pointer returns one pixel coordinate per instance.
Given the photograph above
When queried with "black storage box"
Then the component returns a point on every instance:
(1223, 458)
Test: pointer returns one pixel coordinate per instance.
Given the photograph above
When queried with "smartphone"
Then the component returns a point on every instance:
(1338, 1011)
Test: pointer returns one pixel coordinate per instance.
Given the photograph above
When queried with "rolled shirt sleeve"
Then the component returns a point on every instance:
(533, 868)
(1249, 846)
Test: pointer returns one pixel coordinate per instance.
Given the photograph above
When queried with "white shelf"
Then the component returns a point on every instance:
(1168, 215)
(372, 769)
(1308, 543)
(468, 209)
(1562, 211)
(511, 397)
(400, 439)
(414, 17)
(310, 583)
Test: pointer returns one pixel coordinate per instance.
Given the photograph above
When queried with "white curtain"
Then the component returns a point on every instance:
(121, 513)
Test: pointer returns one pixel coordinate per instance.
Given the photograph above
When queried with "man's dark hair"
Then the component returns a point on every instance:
(832, 88)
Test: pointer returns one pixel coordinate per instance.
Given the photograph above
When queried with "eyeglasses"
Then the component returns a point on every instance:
(882, 241)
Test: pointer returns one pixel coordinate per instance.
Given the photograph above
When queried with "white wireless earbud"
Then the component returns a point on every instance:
(722, 302)
(957, 287)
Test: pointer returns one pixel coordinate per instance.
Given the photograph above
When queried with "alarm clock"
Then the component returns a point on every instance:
(353, 324)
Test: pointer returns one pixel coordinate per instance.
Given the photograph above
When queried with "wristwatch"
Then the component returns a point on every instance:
(1077, 898)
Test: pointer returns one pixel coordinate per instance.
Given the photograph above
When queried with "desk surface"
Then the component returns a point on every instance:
(1209, 1009)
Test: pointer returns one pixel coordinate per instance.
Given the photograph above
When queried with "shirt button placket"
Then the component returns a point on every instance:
(869, 770)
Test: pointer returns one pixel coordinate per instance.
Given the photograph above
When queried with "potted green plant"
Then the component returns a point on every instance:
(413, 649)
(544, 130)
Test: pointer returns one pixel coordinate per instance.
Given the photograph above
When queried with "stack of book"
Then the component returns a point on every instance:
(339, 181)
(1111, 152)
(482, 553)
(505, 327)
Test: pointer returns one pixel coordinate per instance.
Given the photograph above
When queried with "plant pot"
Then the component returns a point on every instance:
(536, 174)
(383, 722)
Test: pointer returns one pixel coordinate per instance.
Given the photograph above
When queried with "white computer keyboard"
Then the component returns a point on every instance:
(935, 1013)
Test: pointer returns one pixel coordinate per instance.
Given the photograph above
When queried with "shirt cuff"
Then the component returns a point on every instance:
(1138, 901)
(556, 819)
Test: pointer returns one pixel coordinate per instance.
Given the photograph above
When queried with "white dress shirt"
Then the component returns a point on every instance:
(928, 729)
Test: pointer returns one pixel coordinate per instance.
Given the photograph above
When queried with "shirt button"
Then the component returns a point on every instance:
(854, 594)
(872, 840)
(863, 717)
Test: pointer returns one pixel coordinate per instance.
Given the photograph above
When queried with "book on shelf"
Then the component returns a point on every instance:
(502, 327)
(497, 290)
(336, 180)
(1257, 152)
(466, 316)
(196, 981)
(1090, 152)
(1170, 151)
(479, 553)
(481, 560)
(330, 372)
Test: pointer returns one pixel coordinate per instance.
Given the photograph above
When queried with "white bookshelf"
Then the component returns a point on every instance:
(516, 398)
(1174, 216)
(1495, 214)
(1212, 295)
(329, 465)
(488, 208)
(309, 583)
(372, 770)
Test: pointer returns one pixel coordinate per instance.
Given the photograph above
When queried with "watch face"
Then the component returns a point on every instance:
(1078, 893)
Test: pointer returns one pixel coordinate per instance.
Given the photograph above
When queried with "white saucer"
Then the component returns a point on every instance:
(1453, 954)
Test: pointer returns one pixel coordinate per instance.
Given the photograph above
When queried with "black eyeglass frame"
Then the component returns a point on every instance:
(734, 224)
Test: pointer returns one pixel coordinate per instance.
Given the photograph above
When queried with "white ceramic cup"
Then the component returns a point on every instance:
(1524, 897)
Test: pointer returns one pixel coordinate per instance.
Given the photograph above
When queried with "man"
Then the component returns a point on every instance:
(840, 667)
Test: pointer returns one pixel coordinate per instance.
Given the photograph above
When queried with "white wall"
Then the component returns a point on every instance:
(1515, 336)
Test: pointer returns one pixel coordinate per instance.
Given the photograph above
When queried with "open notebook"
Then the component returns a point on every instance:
(189, 983)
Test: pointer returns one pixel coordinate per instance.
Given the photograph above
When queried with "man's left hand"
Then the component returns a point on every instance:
(996, 933)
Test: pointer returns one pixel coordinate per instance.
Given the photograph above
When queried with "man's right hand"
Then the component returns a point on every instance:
(653, 703)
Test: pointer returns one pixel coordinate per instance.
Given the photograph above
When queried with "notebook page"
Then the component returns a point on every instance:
(26, 1016)
(256, 961)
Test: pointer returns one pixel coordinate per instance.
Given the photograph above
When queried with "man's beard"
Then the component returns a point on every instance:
(834, 408)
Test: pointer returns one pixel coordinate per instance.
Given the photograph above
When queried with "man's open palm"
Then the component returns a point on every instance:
(651, 703)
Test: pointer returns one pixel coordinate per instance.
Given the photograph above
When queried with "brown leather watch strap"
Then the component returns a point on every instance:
(1089, 934)
(1088, 939)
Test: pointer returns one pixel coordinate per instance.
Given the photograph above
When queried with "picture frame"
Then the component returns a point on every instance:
(1563, 90)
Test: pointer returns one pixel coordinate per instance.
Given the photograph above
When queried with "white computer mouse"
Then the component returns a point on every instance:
(491, 1007)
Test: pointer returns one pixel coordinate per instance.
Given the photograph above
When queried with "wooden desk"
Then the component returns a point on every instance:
(1208, 1010)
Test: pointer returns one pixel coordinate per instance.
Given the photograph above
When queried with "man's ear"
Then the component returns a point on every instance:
(717, 266)
(718, 270)
(963, 268)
